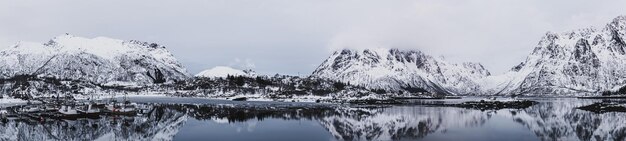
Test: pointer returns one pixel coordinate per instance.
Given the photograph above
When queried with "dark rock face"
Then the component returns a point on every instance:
(157, 76)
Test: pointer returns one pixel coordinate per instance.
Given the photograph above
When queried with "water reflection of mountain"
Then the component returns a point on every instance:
(346, 123)
(159, 123)
(560, 120)
(557, 120)
(554, 120)
(399, 122)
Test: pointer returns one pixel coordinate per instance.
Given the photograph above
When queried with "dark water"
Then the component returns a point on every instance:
(200, 119)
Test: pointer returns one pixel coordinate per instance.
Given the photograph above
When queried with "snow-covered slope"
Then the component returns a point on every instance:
(579, 62)
(223, 71)
(395, 69)
(99, 60)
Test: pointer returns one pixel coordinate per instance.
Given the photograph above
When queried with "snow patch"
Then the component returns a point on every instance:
(222, 72)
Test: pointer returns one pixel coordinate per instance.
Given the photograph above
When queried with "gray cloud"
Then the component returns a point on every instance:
(287, 36)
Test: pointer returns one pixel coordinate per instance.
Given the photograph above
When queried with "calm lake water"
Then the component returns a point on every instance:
(201, 119)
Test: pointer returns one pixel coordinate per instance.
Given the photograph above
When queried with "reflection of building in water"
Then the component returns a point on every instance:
(160, 123)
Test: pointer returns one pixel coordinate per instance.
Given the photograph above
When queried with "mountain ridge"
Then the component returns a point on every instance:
(98, 60)
(587, 60)
(395, 69)
(579, 62)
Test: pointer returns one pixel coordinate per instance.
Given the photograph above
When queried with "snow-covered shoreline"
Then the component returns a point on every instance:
(11, 102)
(120, 95)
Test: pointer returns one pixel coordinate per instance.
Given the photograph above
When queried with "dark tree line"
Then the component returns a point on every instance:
(620, 91)
(279, 85)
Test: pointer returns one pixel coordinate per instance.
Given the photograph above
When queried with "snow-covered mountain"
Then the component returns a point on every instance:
(395, 69)
(99, 60)
(583, 61)
(580, 62)
(223, 71)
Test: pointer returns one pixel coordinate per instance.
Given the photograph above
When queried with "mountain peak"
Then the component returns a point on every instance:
(224, 71)
(619, 19)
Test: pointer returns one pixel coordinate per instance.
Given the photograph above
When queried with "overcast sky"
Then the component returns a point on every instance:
(294, 36)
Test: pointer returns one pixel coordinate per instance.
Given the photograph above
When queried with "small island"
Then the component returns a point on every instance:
(490, 104)
(604, 107)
